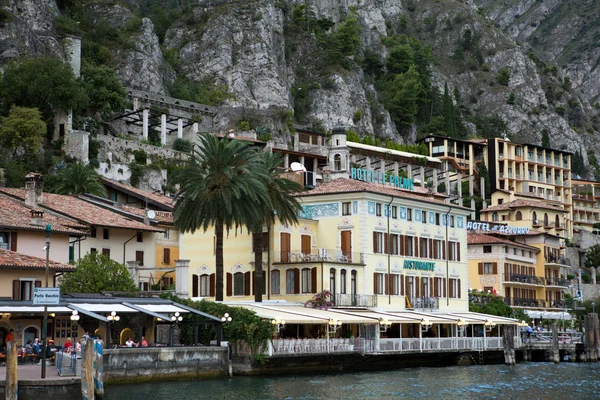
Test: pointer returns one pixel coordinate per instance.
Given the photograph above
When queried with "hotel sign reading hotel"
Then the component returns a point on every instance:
(419, 265)
(368, 175)
(506, 229)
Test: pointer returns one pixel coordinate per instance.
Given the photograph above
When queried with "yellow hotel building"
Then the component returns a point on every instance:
(370, 244)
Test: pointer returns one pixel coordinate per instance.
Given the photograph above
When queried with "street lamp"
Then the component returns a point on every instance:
(112, 318)
(227, 318)
(334, 325)
(45, 323)
(176, 318)
(462, 324)
(426, 325)
(384, 324)
(75, 316)
(489, 325)
(277, 323)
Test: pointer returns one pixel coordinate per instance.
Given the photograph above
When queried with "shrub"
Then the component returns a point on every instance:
(560, 110)
(182, 145)
(244, 125)
(140, 157)
(485, 67)
(503, 76)
(511, 98)
(357, 116)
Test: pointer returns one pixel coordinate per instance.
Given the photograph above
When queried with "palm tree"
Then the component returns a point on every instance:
(220, 186)
(282, 205)
(78, 178)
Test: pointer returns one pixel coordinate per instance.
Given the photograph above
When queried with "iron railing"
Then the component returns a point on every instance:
(355, 300)
(318, 255)
(522, 278)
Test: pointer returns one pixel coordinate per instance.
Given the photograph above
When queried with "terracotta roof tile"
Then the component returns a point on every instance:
(483, 238)
(14, 214)
(12, 259)
(346, 185)
(160, 216)
(84, 211)
(518, 203)
(165, 201)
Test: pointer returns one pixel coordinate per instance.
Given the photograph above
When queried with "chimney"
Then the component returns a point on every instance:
(37, 218)
(34, 186)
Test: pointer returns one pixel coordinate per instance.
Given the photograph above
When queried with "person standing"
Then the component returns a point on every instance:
(10, 337)
(529, 332)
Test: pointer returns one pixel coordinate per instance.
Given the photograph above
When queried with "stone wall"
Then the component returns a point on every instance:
(77, 145)
(150, 364)
(47, 389)
(590, 292)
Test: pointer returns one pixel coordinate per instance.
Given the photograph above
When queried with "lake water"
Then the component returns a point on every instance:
(523, 381)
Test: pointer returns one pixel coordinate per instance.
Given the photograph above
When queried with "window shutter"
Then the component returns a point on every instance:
(313, 280)
(435, 287)
(435, 249)
(495, 268)
(430, 253)
(212, 285)
(375, 291)
(402, 249)
(385, 243)
(417, 246)
(247, 283)
(38, 284)
(480, 268)
(13, 241)
(457, 251)
(444, 287)
(401, 285)
(458, 287)
(229, 284)
(166, 256)
(16, 289)
(375, 249)
(387, 284)
(296, 280)
(417, 287)
(194, 285)
(443, 249)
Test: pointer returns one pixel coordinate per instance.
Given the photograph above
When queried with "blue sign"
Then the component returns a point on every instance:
(367, 175)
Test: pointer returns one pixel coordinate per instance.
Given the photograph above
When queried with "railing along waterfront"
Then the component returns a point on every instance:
(355, 300)
(319, 255)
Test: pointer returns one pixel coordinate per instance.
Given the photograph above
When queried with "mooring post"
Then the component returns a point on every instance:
(98, 367)
(595, 334)
(591, 353)
(87, 370)
(508, 341)
(11, 391)
(555, 348)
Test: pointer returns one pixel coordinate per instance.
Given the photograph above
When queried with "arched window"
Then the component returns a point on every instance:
(30, 333)
(518, 216)
(353, 283)
(534, 217)
(275, 282)
(337, 162)
(204, 285)
(556, 222)
(495, 216)
(545, 219)
(343, 281)
(238, 284)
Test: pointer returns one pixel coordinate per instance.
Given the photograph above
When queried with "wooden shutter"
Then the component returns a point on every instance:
(13, 241)
(247, 283)
(495, 268)
(375, 247)
(402, 245)
(254, 281)
(306, 248)
(443, 249)
(16, 290)
(430, 252)
(458, 287)
(194, 285)
(417, 239)
(212, 285)
(166, 256)
(296, 280)
(139, 257)
(313, 280)
(435, 287)
(37, 284)
(401, 285)
(457, 251)
(444, 287)
(480, 265)
(385, 244)
(229, 284)
(387, 284)
(375, 291)
(417, 287)
(435, 249)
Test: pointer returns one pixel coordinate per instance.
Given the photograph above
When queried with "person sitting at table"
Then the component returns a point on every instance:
(129, 342)
(10, 336)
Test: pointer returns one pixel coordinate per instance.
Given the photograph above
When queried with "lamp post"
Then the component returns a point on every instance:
(45, 323)
(175, 319)
(112, 318)
(277, 323)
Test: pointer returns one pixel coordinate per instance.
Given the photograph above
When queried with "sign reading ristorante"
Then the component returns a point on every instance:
(419, 265)
(368, 175)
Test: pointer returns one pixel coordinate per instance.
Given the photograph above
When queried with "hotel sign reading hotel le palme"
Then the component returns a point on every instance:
(368, 175)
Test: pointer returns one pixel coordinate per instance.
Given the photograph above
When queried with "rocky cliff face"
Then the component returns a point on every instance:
(549, 49)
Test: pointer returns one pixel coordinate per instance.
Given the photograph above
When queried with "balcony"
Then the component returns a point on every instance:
(560, 227)
(355, 300)
(537, 223)
(424, 303)
(526, 279)
(552, 281)
(521, 302)
(553, 259)
(548, 225)
(319, 255)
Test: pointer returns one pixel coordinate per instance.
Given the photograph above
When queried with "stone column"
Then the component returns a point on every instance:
(195, 128)
(296, 141)
(182, 277)
(409, 173)
(179, 128)
(302, 160)
(482, 191)
(136, 103)
(396, 168)
(435, 180)
(367, 162)
(447, 182)
(286, 161)
(163, 129)
(422, 176)
(145, 114)
(315, 165)
(459, 187)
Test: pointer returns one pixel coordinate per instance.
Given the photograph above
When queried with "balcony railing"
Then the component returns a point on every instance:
(537, 222)
(355, 300)
(557, 282)
(551, 258)
(548, 224)
(521, 302)
(521, 278)
(319, 255)
(431, 303)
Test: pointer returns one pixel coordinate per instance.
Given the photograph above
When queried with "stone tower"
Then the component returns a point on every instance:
(339, 153)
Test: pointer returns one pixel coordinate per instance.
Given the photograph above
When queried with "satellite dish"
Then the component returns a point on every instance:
(297, 167)
(150, 214)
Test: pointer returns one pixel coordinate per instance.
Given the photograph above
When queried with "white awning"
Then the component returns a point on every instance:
(560, 315)
(162, 308)
(478, 318)
(33, 309)
(105, 307)
(269, 313)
